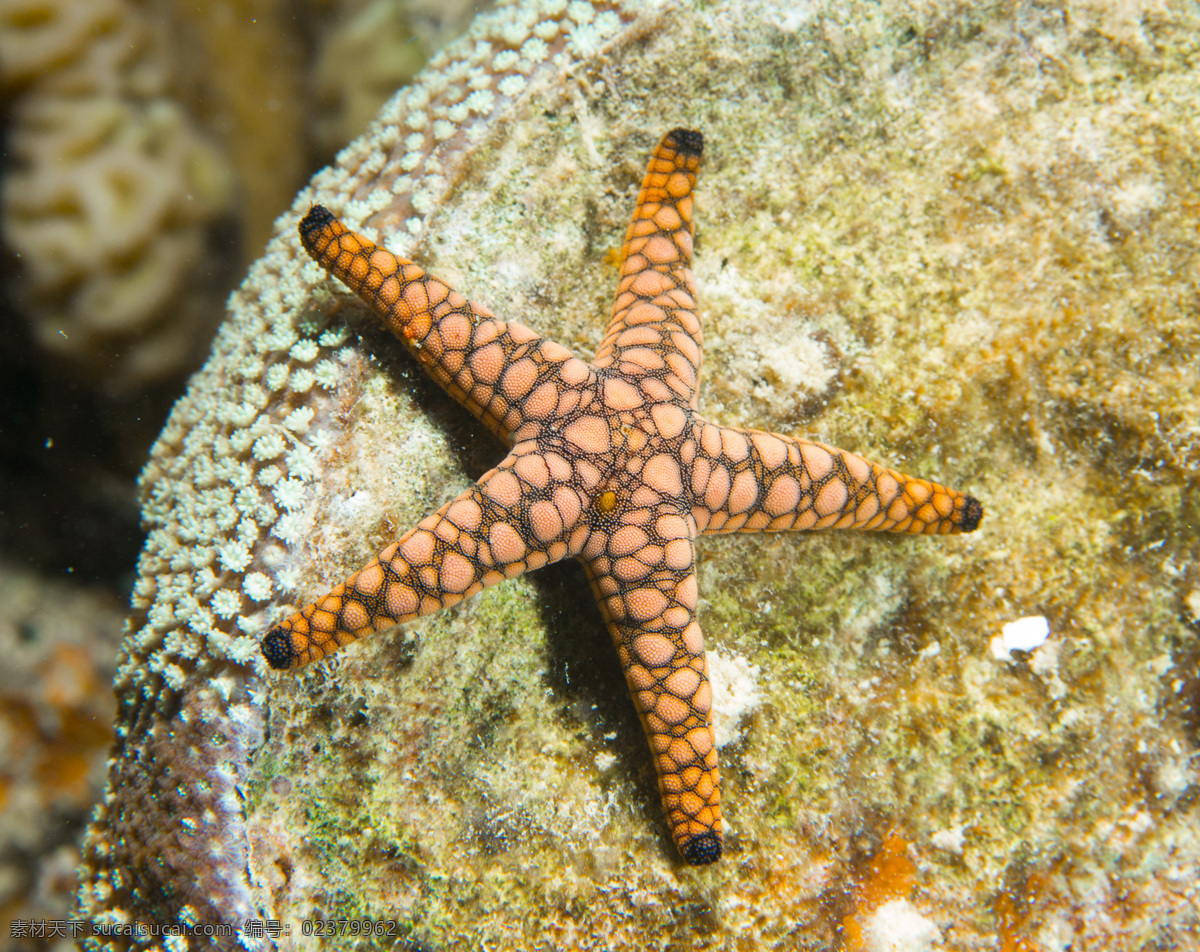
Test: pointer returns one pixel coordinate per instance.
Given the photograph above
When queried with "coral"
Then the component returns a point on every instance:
(887, 877)
(58, 645)
(111, 191)
(242, 70)
(38, 36)
(136, 124)
(370, 55)
(1009, 193)
(278, 107)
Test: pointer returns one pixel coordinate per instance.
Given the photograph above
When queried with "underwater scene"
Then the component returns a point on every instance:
(597, 475)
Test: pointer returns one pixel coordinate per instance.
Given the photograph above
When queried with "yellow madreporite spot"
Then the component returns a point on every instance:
(606, 501)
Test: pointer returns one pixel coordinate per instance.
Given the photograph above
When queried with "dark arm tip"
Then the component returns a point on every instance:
(277, 649)
(972, 514)
(702, 850)
(688, 141)
(313, 223)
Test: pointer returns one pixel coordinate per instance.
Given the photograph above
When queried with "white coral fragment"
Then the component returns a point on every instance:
(735, 694)
(898, 926)
(1024, 634)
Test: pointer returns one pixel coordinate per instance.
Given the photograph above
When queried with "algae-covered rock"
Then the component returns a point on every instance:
(959, 239)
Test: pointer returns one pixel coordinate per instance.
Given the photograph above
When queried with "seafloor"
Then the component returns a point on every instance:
(957, 238)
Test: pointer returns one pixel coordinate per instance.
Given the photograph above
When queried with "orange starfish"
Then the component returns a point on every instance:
(611, 464)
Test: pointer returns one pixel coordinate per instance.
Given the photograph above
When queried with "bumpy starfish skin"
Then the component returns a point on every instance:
(611, 464)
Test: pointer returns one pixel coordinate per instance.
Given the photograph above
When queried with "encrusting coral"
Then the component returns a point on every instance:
(974, 220)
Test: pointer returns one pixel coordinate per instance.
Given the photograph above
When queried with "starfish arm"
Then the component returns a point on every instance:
(499, 528)
(644, 580)
(654, 334)
(501, 371)
(751, 481)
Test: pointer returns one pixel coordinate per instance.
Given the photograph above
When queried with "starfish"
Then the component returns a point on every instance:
(609, 463)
